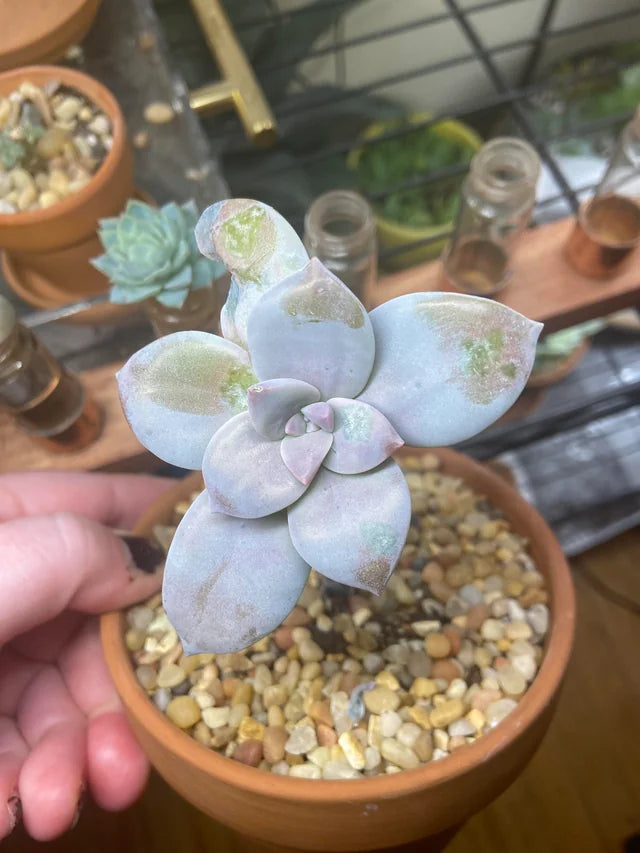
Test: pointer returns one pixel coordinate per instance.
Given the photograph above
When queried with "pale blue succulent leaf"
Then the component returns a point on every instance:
(447, 365)
(244, 472)
(173, 298)
(178, 390)
(229, 581)
(258, 247)
(127, 296)
(272, 403)
(352, 528)
(139, 210)
(362, 437)
(180, 279)
(204, 272)
(323, 333)
(303, 454)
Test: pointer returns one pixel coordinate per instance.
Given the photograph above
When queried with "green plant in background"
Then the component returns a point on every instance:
(414, 154)
(152, 253)
(556, 347)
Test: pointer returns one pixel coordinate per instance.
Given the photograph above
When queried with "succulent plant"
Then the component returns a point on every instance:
(557, 346)
(294, 434)
(12, 151)
(152, 252)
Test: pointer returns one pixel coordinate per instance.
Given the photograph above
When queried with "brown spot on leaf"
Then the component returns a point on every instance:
(373, 574)
(321, 299)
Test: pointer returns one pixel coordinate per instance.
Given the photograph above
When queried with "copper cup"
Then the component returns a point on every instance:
(605, 233)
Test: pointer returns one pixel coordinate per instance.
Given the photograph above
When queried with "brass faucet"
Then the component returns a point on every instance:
(239, 87)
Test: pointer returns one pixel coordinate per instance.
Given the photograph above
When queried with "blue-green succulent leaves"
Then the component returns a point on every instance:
(294, 437)
(152, 252)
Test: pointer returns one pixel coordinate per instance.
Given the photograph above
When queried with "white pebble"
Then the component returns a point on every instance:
(305, 771)
(215, 718)
(398, 753)
(440, 739)
(461, 728)
(497, 711)
(339, 770)
(390, 722)
(538, 618)
(408, 734)
(302, 739)
(439, 753)
(457, 688)
(492, 629)
(515, 612)
(353, 752)
(372, 758)
(525, 664)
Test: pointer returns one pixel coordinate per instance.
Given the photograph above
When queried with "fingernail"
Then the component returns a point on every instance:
(14, 807)
(146, 556)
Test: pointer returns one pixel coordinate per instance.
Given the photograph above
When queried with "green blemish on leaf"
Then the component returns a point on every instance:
(246, 241)
(356, 423)
(321, 301)
(379, 538)
(510, 369)
(194, 378)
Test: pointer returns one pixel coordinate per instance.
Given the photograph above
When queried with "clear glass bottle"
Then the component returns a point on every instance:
(45, 400)
(608, 225)
(200, 311)
(340, 230)
(497, 199)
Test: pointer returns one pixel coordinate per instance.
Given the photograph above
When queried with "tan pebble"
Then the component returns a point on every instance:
(299, 633)
(273, 743)
(274, 694)
(503, 644)
(183, 711)
(306, 771)
(387, 679)
(446, 670)
(423, 688)
(361, 616)
(399, 754)
(237, 715)
(484, 697)
(353, 751)
(425, 627)
(518, 630)
(5, 110)
(532, 596)
(327, 736)
(249, 752)
(215, 718)
(420, 715)
(293, 760)
(202, 734)
(482, 657)
(512, 681)
(310, 651)
(21, 179)
(298, 617)
(423, 746)
(437, 645)
(68, 108)
(324, 623)
(455, 639)
(476, 615)
(441, 739)
(134, 640)
(456, 742)
(320, 712)
(146, 676)
(141, 139)
(229, 686)
(492, 629)
(100, 125)
(159, 112)
(477, 719)
(381, 699)
(456, 689)
(458, 575)
(449, 711)
(275, 716)
(320, 755)
(441, 591)
(294, 709)
(349, 681)
(514, 588)
(250, 729)
(202, 697)
(146, 40)
(432, 572)
(243, 694)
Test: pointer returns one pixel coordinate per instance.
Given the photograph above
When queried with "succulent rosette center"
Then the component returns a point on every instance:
(293, 418)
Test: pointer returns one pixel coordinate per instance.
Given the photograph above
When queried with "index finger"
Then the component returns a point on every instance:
(116, 500)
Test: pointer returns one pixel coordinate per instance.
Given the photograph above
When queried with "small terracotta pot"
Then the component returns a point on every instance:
(47, 252)
(381, 811)
(41, 31)
(542, 378)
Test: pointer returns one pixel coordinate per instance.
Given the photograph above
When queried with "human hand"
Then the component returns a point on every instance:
(61, 723)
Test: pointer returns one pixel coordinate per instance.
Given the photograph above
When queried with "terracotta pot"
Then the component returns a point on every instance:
(41, 30)
(377, 812)
(47, 252)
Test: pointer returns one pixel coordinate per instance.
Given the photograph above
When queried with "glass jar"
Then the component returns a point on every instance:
(200, 311)
(608, 225)
(340, 230)
(497, 199)
(44, 399)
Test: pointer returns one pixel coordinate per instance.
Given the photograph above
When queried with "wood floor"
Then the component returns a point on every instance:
(580, 793)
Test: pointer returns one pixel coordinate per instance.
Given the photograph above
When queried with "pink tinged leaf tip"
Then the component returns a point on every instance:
(244, 472)
(320, 414)
(274, 402)
(303, 454)
(362, 438)
(296, 425)
(229, 581)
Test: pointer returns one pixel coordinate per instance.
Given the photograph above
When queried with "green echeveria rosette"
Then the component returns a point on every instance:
(152, 253)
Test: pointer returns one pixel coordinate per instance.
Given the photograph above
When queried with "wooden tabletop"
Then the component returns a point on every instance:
(580, 793)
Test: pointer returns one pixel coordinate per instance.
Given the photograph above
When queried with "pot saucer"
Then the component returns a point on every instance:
(542, 378)
(35, 31)
(38, 291)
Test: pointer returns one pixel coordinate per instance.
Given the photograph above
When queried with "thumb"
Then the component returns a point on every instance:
(65, 561)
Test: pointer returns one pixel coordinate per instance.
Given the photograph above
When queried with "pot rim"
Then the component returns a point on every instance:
(433, 774)
(84, 83)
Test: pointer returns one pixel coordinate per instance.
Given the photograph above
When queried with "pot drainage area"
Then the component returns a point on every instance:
(353, 684)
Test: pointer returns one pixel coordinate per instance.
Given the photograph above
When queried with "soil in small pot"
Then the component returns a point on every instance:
(354, 684)
(52, 140)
